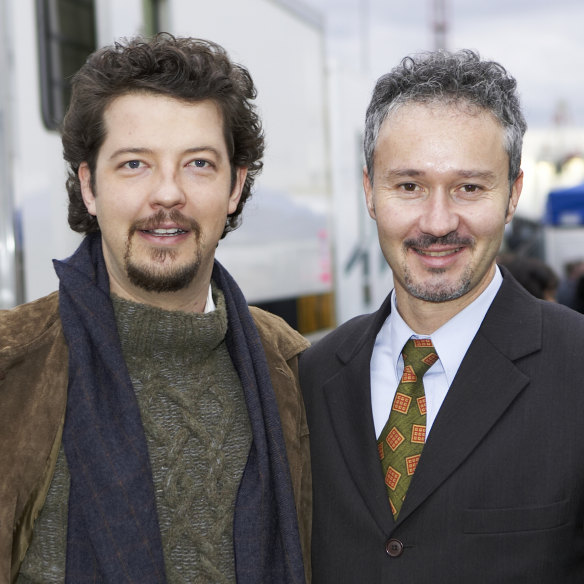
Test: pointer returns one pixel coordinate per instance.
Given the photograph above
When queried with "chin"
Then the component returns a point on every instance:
(171, 279)
(437, 291)
(437, 296)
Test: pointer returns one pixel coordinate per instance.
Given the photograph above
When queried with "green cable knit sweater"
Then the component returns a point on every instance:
(198, 435)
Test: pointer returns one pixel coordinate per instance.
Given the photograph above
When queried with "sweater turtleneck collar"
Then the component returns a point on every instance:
(148, 330)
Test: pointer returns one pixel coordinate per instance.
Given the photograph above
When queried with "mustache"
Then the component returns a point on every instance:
(425, 240)
(175, 217)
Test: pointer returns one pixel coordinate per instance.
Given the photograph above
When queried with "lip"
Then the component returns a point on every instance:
(164, 234)
(439, 257)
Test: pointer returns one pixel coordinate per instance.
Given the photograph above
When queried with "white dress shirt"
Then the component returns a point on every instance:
(451, 342)
(210, 304)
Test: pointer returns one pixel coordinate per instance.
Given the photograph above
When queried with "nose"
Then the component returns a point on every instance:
(167, 191)
(439, 216)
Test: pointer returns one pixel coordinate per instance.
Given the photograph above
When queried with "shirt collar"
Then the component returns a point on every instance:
(452, 339)
(210, 304)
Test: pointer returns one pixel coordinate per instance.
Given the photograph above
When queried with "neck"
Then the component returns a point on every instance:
(425, 317)
(190, 299)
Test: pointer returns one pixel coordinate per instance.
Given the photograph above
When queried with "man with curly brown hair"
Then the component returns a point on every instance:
(152, 425)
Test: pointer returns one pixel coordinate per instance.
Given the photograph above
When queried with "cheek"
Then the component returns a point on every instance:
(396, 223)
(483, 220)
(123, 204)
(487, 235)
(211, 219)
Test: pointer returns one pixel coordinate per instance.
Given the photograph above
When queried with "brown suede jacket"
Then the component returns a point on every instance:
(33, 395)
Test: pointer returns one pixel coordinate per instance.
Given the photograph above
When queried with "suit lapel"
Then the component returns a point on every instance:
(348, 397)
(486, 384)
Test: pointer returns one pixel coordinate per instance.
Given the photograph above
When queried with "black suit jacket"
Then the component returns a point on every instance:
(498, 495)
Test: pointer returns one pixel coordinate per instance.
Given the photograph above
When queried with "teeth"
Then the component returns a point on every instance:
(167, 232)
(438, 254)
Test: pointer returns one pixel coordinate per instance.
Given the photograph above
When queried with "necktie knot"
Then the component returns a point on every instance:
(419, 355)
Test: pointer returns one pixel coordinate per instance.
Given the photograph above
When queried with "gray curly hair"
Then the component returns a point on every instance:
(443, 77)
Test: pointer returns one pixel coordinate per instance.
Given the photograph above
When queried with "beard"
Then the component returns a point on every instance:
(436, 290)
(161, 274)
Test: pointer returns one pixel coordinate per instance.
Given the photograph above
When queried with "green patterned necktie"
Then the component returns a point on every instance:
(402, 439)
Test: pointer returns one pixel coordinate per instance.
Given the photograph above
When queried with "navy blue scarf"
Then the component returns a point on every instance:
(113, 532)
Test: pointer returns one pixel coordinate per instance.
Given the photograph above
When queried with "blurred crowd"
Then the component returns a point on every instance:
(542, 281)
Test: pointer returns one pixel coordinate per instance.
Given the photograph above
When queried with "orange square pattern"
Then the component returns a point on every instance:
(392, 478)
(409, 375)
(394, 438)
(422, 405)
(430, 359)
(380, 450)
(418, 434)
(423, 343)
(411, 464)
(401, 403)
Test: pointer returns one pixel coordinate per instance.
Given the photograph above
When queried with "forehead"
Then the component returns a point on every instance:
(150, 116)
(431, 132)
(460, 111)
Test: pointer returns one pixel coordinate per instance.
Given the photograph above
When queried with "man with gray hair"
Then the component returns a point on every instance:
(446, 436)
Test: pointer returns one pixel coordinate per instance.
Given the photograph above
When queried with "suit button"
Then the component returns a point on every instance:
(394, 548)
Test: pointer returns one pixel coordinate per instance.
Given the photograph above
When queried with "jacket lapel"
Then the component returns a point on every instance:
(348, 397)
(486, 384)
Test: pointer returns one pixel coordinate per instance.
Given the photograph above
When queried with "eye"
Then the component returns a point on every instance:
(470, 189)
(133, 164)
(409, 187)
(199, 163)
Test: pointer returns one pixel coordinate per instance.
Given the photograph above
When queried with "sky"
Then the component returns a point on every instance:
(540, 42)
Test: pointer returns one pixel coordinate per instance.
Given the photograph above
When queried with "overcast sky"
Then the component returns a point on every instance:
(541, 42)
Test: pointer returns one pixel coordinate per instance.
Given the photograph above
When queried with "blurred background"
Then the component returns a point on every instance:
(307, 249)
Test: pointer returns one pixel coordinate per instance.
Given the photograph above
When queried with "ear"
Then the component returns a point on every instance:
(240, 176)
(368, 188)
(516, 189)
(86, 191)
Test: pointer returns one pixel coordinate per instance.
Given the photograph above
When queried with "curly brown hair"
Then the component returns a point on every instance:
(182, 68)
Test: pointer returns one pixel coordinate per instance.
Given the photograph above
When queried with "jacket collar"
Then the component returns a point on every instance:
(486, 384)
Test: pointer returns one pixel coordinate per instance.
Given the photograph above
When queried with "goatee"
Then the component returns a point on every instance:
(156, 276)
(438, 291)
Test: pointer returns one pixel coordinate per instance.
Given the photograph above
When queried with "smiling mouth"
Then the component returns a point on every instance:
(165, 224)
(165, 232)
(437, 254)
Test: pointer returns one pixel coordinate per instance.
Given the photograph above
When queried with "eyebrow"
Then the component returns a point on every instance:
(136, 150)
(413, 173)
